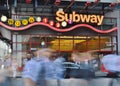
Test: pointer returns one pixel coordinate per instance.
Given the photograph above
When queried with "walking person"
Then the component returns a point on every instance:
(111, 63)
(7, 70)
(40, 68)
(83, 67)
(59, 67)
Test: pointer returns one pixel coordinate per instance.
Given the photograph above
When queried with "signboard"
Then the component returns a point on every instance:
(75, 17)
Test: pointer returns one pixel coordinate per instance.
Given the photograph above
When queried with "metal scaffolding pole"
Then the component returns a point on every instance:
(118, 25)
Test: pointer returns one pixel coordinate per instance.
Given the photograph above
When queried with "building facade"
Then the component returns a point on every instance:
(63, 25)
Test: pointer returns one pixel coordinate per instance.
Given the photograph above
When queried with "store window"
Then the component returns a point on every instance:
(64, 43)
(25, 44)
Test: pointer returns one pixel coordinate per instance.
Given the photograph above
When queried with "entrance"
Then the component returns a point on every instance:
(27, 43)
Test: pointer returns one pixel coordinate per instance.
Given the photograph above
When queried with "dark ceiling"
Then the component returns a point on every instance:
(50, 7)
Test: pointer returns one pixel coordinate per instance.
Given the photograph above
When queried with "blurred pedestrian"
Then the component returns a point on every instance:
(4, 76)
(83, 68)
(14, 66)
(40, 68)
(111, 63)
(7, 70)
(7, 60)
(59, 67)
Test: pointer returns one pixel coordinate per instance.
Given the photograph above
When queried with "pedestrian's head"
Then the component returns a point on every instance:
(75, 56)
(45, 52)
(81, 56)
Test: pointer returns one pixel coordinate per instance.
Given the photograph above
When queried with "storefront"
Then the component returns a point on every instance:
(81, 37)
(65, 31)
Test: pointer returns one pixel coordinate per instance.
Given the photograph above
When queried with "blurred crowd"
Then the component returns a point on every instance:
(8, 67)
(46, 64)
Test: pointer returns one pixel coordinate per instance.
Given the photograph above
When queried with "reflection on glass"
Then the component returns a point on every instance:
(19, 38)
(14, 38)
(19, 47)
(25, 38)
(25, 46)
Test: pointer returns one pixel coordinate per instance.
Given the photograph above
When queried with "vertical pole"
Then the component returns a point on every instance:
(118, 31)
(59, 43)
(15, 3)
(36, 3)
(73, 44)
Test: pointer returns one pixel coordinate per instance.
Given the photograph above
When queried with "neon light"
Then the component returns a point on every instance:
(59, 30)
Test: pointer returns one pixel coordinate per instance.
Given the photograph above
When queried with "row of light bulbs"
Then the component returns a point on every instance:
(45, 20)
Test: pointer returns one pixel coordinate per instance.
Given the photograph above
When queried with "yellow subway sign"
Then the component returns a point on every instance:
(75, 17)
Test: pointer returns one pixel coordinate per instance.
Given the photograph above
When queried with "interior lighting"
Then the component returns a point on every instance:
(80, 37)
(10, 50)
(42, 43)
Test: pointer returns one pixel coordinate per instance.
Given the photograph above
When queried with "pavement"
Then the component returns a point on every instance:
(75, 82)
(99, 81)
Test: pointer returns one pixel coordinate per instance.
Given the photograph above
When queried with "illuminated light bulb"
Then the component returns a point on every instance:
(57, 25)
(51, 23)
(57, 2)
(64, 24)
(45, 20)
(38, 19)
(42, 43)
(3, 18)
(70, 21)
(88, 3)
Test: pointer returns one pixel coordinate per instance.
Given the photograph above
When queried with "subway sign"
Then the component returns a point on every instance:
(79, 18)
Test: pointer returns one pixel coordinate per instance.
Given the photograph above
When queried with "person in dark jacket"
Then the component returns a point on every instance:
(83, 67)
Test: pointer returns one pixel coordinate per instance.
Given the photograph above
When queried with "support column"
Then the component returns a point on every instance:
(118, 25)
